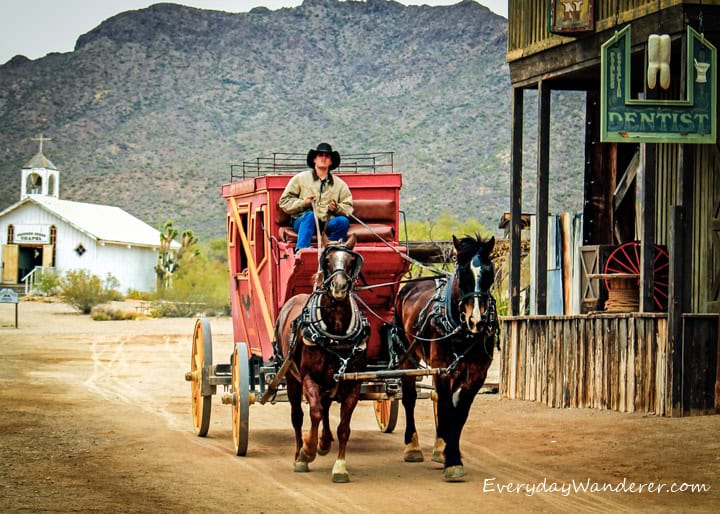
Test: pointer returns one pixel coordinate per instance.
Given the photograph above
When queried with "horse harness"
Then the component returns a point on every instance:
(314, 331)
(439, 310)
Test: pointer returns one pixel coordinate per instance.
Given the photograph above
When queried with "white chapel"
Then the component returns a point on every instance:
(43, 230)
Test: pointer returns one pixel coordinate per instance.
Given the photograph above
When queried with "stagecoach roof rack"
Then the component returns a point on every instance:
(280, 163)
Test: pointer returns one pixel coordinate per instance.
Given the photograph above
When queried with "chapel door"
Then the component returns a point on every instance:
(10, 264)
(47, 256)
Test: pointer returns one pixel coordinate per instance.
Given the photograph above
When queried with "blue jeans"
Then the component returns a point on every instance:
(336, 229)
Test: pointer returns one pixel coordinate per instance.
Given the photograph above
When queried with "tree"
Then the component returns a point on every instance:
(171, 260)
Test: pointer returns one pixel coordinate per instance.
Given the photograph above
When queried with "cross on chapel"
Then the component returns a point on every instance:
(41, 139)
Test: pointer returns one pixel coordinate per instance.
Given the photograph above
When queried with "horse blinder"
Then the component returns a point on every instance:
(352, 274)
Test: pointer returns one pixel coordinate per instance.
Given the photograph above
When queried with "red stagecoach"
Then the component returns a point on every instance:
(265, 273)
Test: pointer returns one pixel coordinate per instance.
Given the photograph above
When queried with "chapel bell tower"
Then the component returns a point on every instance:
(39, 175)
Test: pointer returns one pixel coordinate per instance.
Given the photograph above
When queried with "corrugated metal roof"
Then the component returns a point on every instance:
(102, 222)
(39, 161)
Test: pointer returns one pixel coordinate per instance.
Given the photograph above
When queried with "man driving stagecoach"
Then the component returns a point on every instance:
(320, 192)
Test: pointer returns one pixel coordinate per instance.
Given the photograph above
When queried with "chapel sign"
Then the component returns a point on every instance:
(31, 234)
(627, 120)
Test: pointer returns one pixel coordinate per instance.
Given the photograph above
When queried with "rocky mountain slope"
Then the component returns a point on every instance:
(153, 105)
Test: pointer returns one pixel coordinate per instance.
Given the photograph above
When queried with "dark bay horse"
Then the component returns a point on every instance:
(448, 323)
(324, 333)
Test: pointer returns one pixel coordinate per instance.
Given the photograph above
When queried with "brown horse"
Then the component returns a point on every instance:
(324, 333)
(449, 323)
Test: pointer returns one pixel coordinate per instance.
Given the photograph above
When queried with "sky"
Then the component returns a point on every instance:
(34, 28)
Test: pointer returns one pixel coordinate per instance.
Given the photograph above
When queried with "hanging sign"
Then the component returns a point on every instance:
(627, 120)
(571, 16)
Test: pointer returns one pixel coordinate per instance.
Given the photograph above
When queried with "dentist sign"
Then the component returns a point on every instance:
(627, 120)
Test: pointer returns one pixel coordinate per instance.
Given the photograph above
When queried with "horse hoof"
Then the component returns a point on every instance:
(438, 453)
(301, 467)
(413, 456)
(340, 478)
(324, 451)
(304, 457)
(454, 474)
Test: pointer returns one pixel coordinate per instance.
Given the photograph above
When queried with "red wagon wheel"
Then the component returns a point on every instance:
(626, 259)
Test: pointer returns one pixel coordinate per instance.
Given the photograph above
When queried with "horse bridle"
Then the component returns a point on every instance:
(489, 317)
(354, 273)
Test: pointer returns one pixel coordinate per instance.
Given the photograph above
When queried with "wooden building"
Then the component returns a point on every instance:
(43, 231)
(648, 69)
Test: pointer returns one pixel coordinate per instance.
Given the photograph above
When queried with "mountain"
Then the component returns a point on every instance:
(153, 105)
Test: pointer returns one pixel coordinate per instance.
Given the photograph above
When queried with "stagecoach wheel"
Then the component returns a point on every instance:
(240, 388)
(626, 259)
(386, 414)
(201, 360)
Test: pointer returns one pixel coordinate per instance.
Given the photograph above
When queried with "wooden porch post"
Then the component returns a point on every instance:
(674, 404)
(541, 201)
(680, 254)
(647, 228)
(516, 200)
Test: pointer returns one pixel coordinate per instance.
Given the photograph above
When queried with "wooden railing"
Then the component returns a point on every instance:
(528, 21)
(609, 361)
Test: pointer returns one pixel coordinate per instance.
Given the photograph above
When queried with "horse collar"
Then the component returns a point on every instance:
(314, 329)
(441, 310)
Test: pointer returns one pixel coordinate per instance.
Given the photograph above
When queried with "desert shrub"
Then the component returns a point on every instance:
(102, 313)
(83, 290)
(144, 296)
(47, 281)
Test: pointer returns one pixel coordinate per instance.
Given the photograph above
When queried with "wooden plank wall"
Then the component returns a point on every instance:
(700, 391)
(706, 245)
(617, 362)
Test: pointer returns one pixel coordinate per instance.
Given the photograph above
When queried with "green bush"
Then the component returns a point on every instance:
(83, 290)
(144, 296)
(200, 286)
(47, 281)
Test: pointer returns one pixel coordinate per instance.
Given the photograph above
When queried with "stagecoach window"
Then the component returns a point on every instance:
(258, 235)
(232, 233)
(80, 250)
(240, 248)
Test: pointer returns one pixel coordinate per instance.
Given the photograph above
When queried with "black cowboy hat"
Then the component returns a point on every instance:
(323, 148)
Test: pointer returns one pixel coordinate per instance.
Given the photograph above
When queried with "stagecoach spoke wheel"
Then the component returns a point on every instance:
(200, 388)
(386, 414)
(240, 387)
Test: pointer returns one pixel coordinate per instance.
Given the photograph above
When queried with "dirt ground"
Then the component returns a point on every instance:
(96, 418)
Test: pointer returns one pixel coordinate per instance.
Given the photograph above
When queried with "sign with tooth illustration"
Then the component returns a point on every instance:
(692, 119)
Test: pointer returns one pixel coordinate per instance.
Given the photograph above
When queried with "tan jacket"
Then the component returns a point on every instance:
(305, 184)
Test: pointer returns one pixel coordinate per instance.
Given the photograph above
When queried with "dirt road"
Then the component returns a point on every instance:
(96, 418)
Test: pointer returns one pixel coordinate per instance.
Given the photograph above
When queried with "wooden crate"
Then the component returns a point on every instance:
(593, 292)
